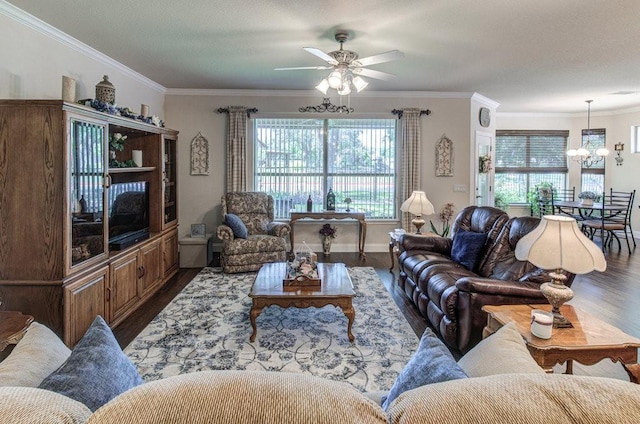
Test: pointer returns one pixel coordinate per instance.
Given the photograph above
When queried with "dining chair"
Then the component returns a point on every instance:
(614, 219)
(564, 195)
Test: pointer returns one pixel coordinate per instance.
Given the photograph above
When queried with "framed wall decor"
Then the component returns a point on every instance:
(444, 157)
(198, 230)
(199, 155)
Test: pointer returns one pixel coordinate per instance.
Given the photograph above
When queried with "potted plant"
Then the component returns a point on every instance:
(445, 216)
(587, 198)
(539, 195)
(328, 233)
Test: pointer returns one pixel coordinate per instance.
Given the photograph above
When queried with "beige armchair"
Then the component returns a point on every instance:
(265, 239)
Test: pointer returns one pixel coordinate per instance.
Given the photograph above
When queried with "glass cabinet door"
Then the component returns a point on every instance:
(87, 165)
(169, 182)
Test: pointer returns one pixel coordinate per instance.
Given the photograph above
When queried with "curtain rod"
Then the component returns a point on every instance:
(399, 112)
(249, 111)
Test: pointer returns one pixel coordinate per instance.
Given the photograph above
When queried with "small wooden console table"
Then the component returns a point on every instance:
(328, 215)
(588, 342)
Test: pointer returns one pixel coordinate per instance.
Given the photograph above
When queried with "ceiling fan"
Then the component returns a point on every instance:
(347, 67)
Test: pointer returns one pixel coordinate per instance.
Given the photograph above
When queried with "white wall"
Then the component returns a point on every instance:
(191, 112)
(35, 56)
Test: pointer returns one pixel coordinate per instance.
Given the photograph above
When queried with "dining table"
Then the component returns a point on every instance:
(586, 210)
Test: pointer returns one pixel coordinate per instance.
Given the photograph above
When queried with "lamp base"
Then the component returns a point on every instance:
(418, 222)
(557, 294)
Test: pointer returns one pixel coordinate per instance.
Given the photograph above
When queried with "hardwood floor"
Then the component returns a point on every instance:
(613, 295)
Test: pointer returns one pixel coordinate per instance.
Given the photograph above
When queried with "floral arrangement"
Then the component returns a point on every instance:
(328, 231)
(588, 195)
(485, 164)
(116, 141)
(113, 109)
(445, 216)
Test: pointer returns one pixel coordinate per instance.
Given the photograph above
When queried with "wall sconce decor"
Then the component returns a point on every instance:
(619, 147)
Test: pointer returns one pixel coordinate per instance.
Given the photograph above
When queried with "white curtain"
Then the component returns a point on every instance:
(237, 149)
(410, 142)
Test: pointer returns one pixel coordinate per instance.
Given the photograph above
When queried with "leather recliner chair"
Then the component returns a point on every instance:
(449, 295)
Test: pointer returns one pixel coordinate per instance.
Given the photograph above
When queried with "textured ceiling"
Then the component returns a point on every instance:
(529, 56)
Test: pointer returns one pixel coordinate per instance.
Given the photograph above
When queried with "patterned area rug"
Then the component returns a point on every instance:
(206, 327)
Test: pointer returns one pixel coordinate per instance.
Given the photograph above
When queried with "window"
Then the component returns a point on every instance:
(635, 139)
(298, 158)
(524, 159)
(593, 176)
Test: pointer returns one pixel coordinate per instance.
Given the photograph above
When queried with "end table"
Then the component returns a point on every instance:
(13, 325)
(588, 342)
(394, 244)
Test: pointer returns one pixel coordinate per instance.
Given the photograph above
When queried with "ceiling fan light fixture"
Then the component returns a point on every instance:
(323, 86)
(345, 89)
(359, 83)
(335, 79)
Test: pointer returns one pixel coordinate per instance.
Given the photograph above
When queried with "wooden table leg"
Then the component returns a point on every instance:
(634, 372)
(392, 244)
(350, 313)
(253, 314)
(569, 369)
(363, 239)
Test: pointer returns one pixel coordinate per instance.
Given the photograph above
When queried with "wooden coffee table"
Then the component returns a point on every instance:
(588, 342)
(336, 289)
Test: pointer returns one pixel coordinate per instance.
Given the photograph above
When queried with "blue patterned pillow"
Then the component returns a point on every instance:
(97, 370)
(432, 363)
(237, 226)
(466, 248)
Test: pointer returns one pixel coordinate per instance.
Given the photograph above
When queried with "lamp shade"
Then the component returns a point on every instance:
(558, 243)
(418, 204)
(323, 86)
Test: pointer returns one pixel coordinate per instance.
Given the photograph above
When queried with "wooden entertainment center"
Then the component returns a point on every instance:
(60, 203)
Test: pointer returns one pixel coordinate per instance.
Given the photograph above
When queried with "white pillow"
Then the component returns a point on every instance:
(38, 354)
(503, 352)
(28, 405)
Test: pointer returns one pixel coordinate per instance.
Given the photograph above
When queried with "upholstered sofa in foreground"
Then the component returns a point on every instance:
(503, 385)
(449, 280)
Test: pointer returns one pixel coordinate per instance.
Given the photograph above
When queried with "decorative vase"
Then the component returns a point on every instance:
(105, 91)
(326, 245)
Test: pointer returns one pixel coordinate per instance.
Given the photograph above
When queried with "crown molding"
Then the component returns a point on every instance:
(314, 93)
(485, 100)
(31, 22)
(565, 115)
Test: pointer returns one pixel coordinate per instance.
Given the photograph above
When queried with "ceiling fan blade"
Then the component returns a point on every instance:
(373, 74)
(380, 58)
(319, 68)
(322, 55)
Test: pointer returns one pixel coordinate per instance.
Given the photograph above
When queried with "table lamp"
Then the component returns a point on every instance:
(418, 204)
(558, 244)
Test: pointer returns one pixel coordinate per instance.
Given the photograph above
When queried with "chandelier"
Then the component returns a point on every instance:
(588, 155)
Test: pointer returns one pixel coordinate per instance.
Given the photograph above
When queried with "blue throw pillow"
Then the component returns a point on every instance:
(237, 226)
(97, 370)
(466, 248)
(432, 363)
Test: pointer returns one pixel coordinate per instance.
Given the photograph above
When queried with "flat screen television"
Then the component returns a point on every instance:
(128, 214)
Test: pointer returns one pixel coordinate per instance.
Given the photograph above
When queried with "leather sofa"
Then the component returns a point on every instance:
(451, 296)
